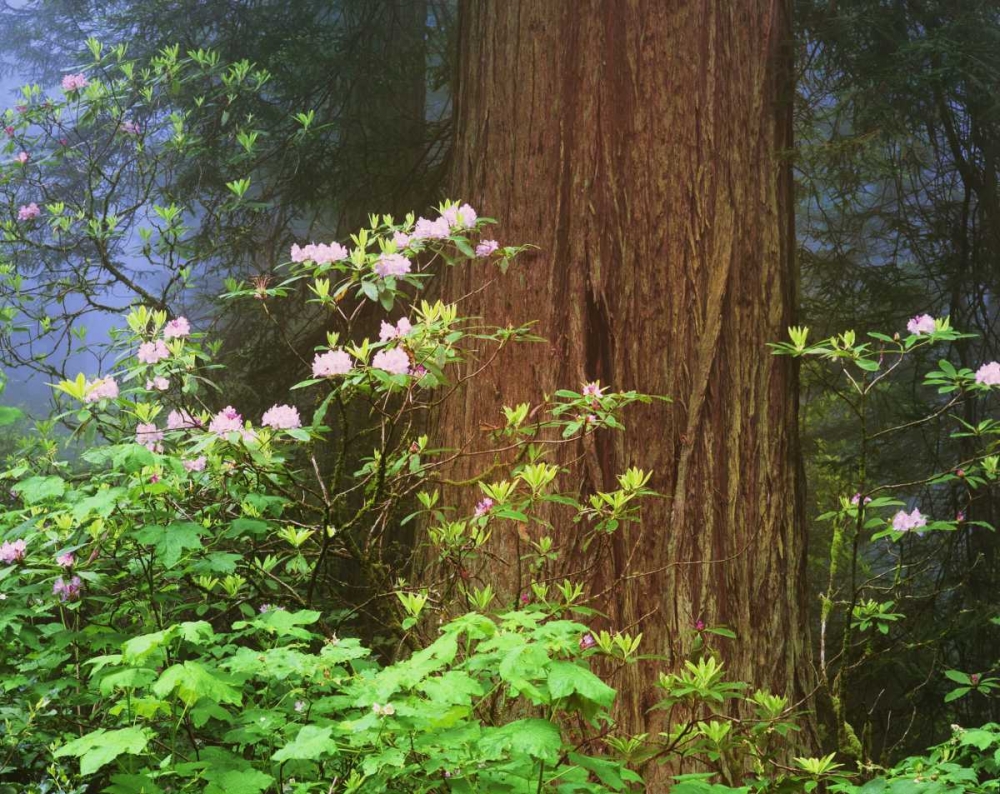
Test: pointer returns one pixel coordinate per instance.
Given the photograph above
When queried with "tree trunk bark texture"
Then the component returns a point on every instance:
(641, 144)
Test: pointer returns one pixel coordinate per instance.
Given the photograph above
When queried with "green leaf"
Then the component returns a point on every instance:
(9, 415)
(193, 681)
(533, 737)
(171, 541)
(101, 747)
(310, 743)
(238, 781)
(566, 678)
(957, 676)
(133, 784)
(39, 489)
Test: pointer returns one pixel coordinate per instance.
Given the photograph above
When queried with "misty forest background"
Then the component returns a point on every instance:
(896, 162)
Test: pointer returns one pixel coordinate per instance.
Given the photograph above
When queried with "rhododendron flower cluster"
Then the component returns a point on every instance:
(483, 507)
(130, 128)
(487, 247)
(228, 420)
(150, 436)
(101, 389)
(904, 522)
(282, 417)
(463, 217)
(177, 328)
(153, 352)
(922, 324)
(195, 464)
(856, 499)
(389, 331)
(392, 265)
(320, 253)
(23, 157)
(159, 383)
(66, 560)
(394, 361)
(401, 239)
(28, 212)
(989, 374)
(13, 552)
(330, 363)
(431, 230)
(74, 82)
(67, 591)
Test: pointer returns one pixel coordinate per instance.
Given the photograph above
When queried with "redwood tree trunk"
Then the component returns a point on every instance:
(641, 144)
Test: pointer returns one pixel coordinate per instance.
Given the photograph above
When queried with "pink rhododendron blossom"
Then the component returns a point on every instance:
(487, 247)
(483, 507)
(394, 361)
(904, 522)
(152, 352)
(67, 591)
(159, 383)
(401, 239)
(922, 324)
(149, 435)
(431, 230)
(330, 363)
(856, 499)
(23, 157)
(418, 370)
(10, 131)
(66, 560)
(320, 253)
(593, 389)
(28, 212)
(13, 552)
(228, 420)
(587, 641)
(181, 420)
(392, 265)
(989, 374)
(463, 217)
(177, 328)
(195, 464)
(389, 331)
(101, 389)
(281, 417)
(74, 82)
(130, 128)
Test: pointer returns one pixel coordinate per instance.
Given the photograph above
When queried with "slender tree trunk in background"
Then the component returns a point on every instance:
(641, 145)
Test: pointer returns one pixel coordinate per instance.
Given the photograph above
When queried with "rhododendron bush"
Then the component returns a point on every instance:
(166, 596)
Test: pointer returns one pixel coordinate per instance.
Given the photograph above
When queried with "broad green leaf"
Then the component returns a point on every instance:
(171, 541)
(533, 737)
(101, 747)
(193, 681)
(40, 489)
(309, 744)
(567, 678)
